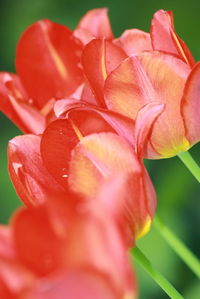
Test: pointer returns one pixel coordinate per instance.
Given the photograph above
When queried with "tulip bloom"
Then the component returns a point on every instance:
(86, 147)
(80, 152)
(147, 76)
(66, 249)
(48, 68)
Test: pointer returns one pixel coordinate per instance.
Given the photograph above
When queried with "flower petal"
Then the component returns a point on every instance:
(16, 106)
(99, 58)
(45, 245)
(151, 77)
(143, 125)
(30, 178)
(164, 37)
(191, 105)
(97, 23)
(47, 62)
(134, 41)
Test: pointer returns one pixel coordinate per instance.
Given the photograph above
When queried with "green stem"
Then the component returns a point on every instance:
(178, 246)
(189, 162)
(157, 277)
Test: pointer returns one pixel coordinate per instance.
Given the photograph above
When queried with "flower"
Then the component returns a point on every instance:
(66, 248)
(81, 151)
(90, 145)
(48, 68)
(158, 70)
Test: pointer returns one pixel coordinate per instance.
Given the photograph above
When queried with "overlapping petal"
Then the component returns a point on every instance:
(164, 37)
(95, 23)
(30, 178)
(152, 77)
(99, 58)
(15, 104)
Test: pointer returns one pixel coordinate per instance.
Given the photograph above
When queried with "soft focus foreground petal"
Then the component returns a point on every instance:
(97, 23)
(47, 62)
(75, 285)
(164, 37)
(99, 58)
(134, 41)
(152, 77)
(33, 232)
(100, 156)
(15, 105)
(62, 135)
(122, 125)
(66, 236)
(6, 244)
(30, 178)
(191, 105)
(143, 125)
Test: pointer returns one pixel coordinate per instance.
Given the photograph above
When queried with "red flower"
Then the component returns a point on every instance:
(48, 68)
(86, 148)
(66, 248)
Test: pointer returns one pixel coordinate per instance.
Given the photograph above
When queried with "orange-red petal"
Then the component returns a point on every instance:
(16, 106)
(97, 23)
(47, 62)
(32, 182)
(99, 58)
(164, 37)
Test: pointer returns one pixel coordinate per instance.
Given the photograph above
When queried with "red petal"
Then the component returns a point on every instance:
(47, 61)
(6, 243)
(33, 233)
(14, 103)
(31, 180)
(99, 58)
(134, 41)
(164, 37)
(97, 23)
(90, 284)
(191, 105)
(151, 77)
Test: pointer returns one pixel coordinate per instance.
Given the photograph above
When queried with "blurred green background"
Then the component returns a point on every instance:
(178, 192)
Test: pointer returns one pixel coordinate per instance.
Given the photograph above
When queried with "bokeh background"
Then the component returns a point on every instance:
(178, 192)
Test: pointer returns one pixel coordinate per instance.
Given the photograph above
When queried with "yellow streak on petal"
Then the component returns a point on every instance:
(179, 46)
(58, 61)
(103, 61)
(76, 130)
(145, 229)
(56, 58)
